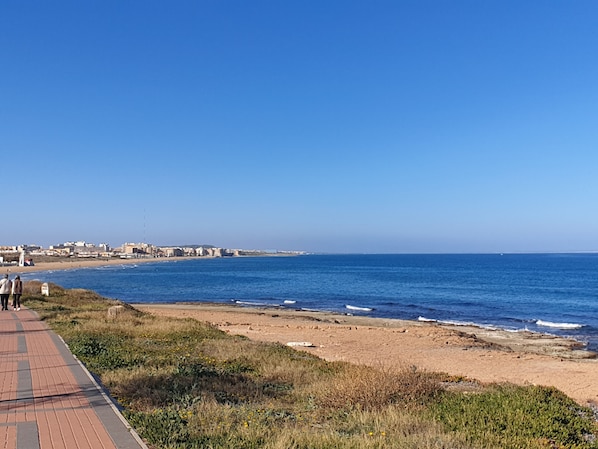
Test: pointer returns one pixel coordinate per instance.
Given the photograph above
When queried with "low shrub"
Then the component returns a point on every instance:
(512, 417)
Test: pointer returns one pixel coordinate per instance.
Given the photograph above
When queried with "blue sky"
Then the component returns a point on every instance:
(333, 126)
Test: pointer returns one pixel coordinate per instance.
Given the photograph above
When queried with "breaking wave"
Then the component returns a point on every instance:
(543, 323)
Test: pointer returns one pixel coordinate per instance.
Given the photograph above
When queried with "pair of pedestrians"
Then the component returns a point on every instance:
(6, 288)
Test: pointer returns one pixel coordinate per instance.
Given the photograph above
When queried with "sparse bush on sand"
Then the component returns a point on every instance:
(184, 384)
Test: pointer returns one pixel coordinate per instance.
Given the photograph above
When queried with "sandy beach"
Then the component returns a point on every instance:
(484, 355)
(76, 263)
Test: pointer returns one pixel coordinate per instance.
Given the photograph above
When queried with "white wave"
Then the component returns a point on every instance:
(255, 303)
(449, 322)
(361, 309)
(559, 325)
(472, 324)
(456, 323)
(289, 301)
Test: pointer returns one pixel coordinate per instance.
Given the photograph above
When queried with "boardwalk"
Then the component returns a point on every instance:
(47, 399)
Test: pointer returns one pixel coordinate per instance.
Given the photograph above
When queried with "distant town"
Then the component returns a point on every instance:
(26, 255)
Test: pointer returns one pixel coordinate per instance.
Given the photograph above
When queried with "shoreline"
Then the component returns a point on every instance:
(515, 341)
(468, 352)
(521, 340)
(76, 263)
(486, 355)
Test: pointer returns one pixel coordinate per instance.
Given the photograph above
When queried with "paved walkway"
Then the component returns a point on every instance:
(47, 399)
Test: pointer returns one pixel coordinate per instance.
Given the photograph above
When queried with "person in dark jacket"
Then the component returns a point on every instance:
(17, 291)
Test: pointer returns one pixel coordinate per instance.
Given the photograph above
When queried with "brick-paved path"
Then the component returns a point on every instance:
(47, 399)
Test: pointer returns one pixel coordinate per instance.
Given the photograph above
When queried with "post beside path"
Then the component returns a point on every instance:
(48, 400)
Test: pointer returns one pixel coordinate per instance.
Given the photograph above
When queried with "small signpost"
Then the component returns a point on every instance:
(45, 289)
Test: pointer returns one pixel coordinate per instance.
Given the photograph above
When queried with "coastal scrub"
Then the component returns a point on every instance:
(184, 384)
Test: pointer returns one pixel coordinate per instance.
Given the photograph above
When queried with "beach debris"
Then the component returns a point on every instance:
(304, 344)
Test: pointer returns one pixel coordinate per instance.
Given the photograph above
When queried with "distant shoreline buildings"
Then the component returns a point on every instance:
(24, 255)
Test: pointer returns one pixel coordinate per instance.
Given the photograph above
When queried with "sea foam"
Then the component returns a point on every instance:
(558, 325)
(359, 309)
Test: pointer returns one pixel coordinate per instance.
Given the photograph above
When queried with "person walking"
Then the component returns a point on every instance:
(5, 287)
(17, 291)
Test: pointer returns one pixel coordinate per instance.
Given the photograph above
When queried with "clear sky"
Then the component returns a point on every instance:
(317, 125)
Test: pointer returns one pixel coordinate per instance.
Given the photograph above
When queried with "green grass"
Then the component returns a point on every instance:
(184, 384)
(512, 416)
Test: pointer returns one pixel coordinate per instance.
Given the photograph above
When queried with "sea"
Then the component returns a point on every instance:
(545, 293)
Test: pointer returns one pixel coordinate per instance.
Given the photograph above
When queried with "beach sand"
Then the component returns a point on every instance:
(521, 358)
(76, 263)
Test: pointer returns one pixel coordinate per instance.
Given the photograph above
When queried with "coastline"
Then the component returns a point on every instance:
(77, 263)
(486, 355)
(522, 358)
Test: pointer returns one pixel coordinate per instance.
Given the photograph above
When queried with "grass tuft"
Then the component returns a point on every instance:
(366, 388)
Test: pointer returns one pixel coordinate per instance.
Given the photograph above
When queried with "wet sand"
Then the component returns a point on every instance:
(522, 358)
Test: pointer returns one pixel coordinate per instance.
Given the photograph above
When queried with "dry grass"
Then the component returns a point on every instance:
(370, 389)
(275, 362)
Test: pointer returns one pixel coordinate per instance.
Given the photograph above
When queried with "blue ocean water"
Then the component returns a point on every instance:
(549, 293)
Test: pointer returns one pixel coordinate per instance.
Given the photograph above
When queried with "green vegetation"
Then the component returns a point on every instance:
(184, 384)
